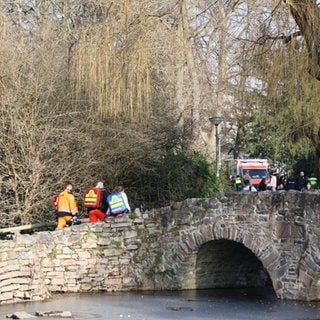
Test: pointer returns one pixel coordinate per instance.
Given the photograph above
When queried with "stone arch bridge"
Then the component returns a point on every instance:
(233, 240)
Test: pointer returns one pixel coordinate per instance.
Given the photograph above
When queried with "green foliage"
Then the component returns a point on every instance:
(157, 260)
(284, 125)
(305, 163)
(117, 244)
(132, 216)
(177, 177)
(206, 183)
(53, 253)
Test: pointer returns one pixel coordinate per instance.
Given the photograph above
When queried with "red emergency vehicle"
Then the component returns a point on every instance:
(257, 169)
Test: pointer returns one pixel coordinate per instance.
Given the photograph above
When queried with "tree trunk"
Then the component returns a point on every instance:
(307, 16)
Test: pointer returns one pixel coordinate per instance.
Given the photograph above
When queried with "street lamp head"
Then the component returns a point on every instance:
(216, 120)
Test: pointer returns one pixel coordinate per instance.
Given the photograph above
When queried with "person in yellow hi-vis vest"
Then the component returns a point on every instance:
(118, 202)
(66, 206)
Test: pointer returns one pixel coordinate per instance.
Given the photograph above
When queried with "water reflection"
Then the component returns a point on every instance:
(217, 304)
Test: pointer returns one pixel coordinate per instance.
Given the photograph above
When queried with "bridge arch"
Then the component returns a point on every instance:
(229, 264)
(196, 262)
(281, 229)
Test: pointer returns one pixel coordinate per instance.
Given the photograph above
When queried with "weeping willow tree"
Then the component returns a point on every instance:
(138, 62)
(287, 114)
(121, 65)
(277, 105)
(307, 16)
(114, 75)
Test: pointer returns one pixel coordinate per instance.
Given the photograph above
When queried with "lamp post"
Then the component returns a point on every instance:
(216, 121)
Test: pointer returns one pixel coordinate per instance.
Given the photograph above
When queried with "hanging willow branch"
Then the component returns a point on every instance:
(112, 74)
(307, 16)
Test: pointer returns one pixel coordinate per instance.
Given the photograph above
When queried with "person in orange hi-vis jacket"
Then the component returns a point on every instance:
(66, 206)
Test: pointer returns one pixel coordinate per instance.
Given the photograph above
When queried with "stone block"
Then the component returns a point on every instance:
(112, 252)
(71, 275)
(85, 287)
(269, 259)
(67, 251)
(74, 238)
(248, 241)
(130, 234)
(83, 255)
(103, 241)
(8, 287)
(123, 225)
(62, 257)
(140, 220)
(55, 314)
(68, 262)
(20, 315)
(53, 274)
(6, 296)
(128, 281)
(305, 278)
(25, 295)
(14, 274)
(152, 230)
(82, 263)
(298, 232)
(55, 288)
(89, 245)
(283, 230)
(132, 247)
(57, 281)
(47, 263)
(113, 281)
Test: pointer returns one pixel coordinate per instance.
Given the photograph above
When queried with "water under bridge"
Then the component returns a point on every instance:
(232, 240)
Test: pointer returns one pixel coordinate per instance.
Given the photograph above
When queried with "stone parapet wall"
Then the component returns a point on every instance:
(82, 258)
(183, 246)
